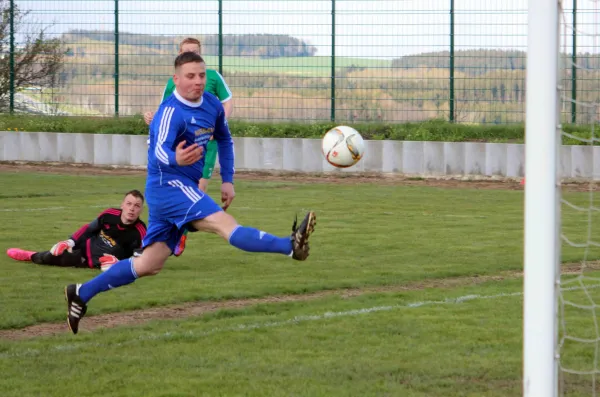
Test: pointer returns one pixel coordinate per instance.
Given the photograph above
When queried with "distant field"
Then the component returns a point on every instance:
(313, 66)
(99, 53)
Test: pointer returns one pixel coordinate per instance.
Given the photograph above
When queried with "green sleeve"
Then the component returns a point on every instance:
(209, 159)
(169, 88)
(223, 91)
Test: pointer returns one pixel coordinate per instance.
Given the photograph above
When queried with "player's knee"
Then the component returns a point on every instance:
(147, 266)
(152, 260)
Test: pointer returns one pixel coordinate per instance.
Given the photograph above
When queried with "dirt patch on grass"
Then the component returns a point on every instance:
(195, 309)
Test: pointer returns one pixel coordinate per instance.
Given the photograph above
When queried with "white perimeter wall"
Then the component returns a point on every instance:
(304, 155)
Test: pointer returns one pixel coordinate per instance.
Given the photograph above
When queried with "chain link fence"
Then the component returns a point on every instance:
(296, 60)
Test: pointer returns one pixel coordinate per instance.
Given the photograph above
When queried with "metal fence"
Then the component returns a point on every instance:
(386, 61)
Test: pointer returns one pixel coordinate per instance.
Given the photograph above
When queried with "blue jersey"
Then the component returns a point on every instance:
(179, 120)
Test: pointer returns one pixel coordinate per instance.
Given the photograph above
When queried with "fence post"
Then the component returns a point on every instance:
(117, 58)
(332, 60)
(221, 37)
(11, 95)
(574, 67)
(451, 61)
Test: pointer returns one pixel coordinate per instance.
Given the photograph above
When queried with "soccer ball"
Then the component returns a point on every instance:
(343, 146)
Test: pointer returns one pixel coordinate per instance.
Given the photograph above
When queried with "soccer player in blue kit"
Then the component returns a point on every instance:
(178, 137)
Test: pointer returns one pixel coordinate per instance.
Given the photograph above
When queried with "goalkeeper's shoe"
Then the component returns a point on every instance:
(301, 234)
(19, 254)
(76, 308)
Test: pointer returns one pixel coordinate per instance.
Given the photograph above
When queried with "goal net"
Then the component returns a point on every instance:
(562, 206)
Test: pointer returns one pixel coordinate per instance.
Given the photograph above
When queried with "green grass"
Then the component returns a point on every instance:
(422, 343)
(306, 66)
(433, 130)
(289, 349)
(416, 239)
(462, 342)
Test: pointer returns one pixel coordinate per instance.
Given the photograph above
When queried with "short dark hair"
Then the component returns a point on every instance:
(190, 40)
(135, 193)
(187, 57)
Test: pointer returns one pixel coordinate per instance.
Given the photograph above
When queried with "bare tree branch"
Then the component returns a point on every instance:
(37, 58)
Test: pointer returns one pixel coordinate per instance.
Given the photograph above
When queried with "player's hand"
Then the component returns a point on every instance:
(189, 155)
(148, 116)
(62, 246)
(106, 261)
(203, 185)
(227, 194)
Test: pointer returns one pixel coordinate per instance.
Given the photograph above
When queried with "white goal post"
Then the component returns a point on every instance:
(542, 205)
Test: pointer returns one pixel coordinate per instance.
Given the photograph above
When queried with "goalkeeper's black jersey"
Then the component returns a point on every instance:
(107, 234)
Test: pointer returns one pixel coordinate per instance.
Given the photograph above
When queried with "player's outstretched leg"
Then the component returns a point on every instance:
(121, 273)
(296, 246)
(78, 295)
(76, 308)
(253, 240)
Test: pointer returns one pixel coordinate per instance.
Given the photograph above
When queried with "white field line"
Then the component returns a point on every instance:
(248, 327)
(165, 336)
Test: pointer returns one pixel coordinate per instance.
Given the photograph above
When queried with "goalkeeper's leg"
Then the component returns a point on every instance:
(66, 259)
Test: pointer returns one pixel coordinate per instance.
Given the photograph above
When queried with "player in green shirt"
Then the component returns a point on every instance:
(216, 85)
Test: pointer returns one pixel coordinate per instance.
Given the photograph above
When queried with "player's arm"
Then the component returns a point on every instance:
(78, 238)
(225, 95)
(228, 106)
(225, 148)
(168, 150)
(87, 231)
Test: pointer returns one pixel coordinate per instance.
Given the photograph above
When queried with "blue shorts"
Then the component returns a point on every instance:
(171, 206)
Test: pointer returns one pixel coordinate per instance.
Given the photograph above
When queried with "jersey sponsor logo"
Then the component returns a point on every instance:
(202, 139)
(202, 131)
(107, 239)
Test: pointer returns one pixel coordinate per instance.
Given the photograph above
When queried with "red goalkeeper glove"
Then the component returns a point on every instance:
(62, 246)
(106, 261)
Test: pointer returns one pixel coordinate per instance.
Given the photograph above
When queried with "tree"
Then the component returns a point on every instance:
(37, 58)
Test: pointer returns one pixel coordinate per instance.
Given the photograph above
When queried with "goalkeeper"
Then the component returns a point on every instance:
(216, 85)
(114, 235)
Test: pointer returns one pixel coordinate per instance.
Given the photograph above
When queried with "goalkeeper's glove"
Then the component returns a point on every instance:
(106, 261)
(62, 246)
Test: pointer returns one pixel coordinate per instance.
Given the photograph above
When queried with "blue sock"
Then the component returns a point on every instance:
(253, 240)
(119, 274)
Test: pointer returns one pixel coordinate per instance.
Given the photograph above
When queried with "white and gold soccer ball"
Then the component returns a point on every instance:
(343, 146)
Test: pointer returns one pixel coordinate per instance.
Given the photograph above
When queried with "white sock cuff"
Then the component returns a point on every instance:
(232, 233)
